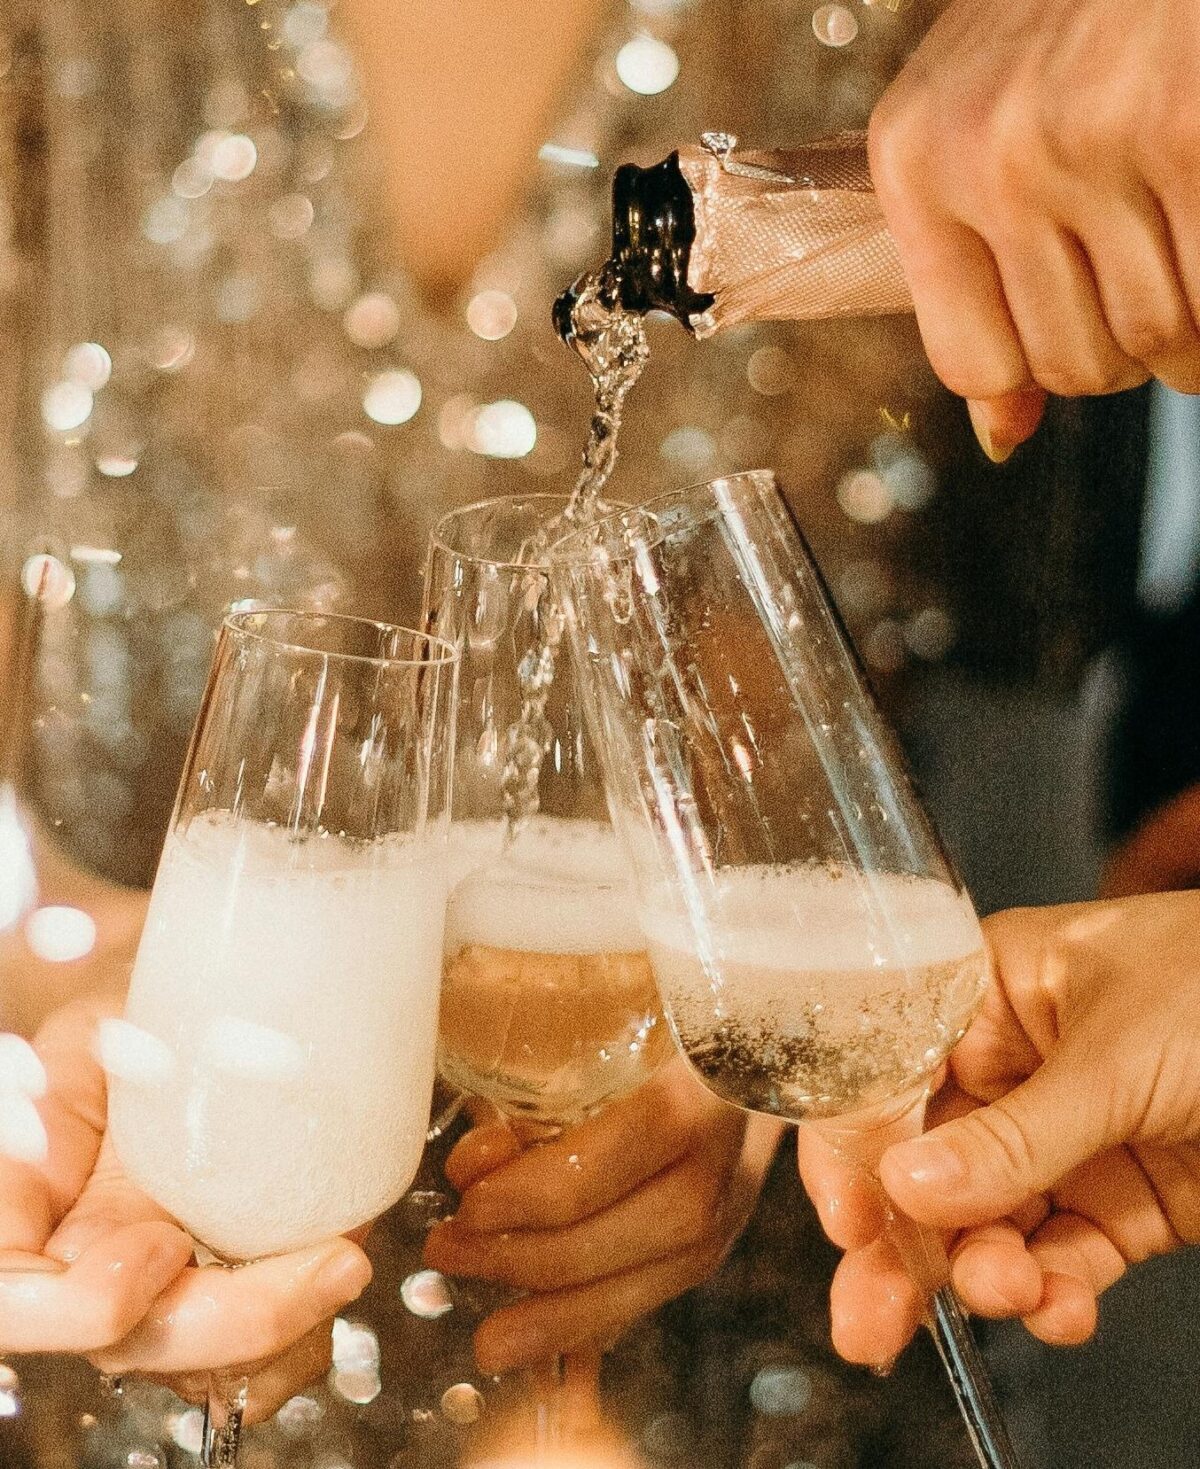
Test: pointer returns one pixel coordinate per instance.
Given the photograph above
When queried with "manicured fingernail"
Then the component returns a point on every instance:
(344, 1275)
(929, 1162)
(995, 449)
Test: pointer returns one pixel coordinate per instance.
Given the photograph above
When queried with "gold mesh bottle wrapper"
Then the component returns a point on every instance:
(810, 244)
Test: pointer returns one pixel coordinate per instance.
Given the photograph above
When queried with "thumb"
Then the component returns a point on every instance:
(980, 1167)
(1002, 423)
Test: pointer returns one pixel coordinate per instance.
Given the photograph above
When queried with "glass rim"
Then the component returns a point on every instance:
(569, 547)
(439, 542)
(441, 653)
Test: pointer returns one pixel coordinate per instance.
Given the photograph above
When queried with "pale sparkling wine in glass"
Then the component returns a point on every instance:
(815, 993)
(549, 1007)
(271, 1082)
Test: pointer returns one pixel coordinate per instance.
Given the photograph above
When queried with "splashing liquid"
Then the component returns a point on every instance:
(611, 341)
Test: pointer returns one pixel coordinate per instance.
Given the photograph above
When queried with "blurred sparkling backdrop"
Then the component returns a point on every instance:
(223, 388)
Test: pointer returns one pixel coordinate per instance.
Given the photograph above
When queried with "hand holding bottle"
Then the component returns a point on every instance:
(1035, 160)
(1065, 1143)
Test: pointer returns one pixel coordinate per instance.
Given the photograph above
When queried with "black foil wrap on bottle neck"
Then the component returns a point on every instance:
(653, 229)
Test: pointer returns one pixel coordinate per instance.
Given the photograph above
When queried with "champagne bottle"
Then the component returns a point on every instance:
(716, 236)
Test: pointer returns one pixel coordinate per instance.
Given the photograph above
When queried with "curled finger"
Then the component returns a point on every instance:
(845, 1196)
(875, 1307)
(568, 1321)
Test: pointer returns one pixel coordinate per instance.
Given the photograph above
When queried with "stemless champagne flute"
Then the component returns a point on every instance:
(271, 1080)
(549, 1008)
(816, 955)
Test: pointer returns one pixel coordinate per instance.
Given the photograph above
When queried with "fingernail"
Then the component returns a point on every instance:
(996, 450)
(929, 1162)
(344, 1275)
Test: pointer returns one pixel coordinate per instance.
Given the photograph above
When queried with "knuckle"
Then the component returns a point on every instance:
(896, 142)
(102, 1322)
(1069, 378)
(1001, 1134)
(1150, 337)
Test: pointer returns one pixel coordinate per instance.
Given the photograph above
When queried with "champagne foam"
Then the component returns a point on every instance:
(271, 1086)
(562, 888)
(789, 918)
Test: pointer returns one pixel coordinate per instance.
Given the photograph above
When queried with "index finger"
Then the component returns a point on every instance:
(592, 1165)
(844, 1195)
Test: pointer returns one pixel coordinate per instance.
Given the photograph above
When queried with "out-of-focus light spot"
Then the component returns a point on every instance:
(238, 298)
(392, 397)
(291, 217)
(192, 179)
(462, 1404)
(60, 934)
(691, 448)
(48, 579)
(884, 647)
(142, 1459)
(21, 1069)
(503, 430)
(372, 321)
(865, 497)
(66, 405)
(304, 23)
(327, 67)
(780, 1392)
(165, 221)
(568, 157)
(10, 1404)
(834, 25)
(770, 371)
(863, 589)
(491, 315)
(245, 1048)
(930, 633)
(187, 1430)
(456, 420)
(647, 65)
(355, 1346)
(170, 348)
(332, 283)
(88, 363)
(299, 1415)
(911, 480)
(18, 881)
(233, 158)
(426, 1294)
(132, 1054)
(22, 1133)
(96, 555)
(357, 1387)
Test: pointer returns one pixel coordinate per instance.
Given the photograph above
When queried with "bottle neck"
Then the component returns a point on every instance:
(654, 228)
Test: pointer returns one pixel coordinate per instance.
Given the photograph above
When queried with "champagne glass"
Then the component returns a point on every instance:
(271, 1080)
(815, 952)
(549, 1008)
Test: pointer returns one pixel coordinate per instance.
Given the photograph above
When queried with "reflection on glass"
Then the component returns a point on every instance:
(816, 954)
(271, 1079)
(548, 1004)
